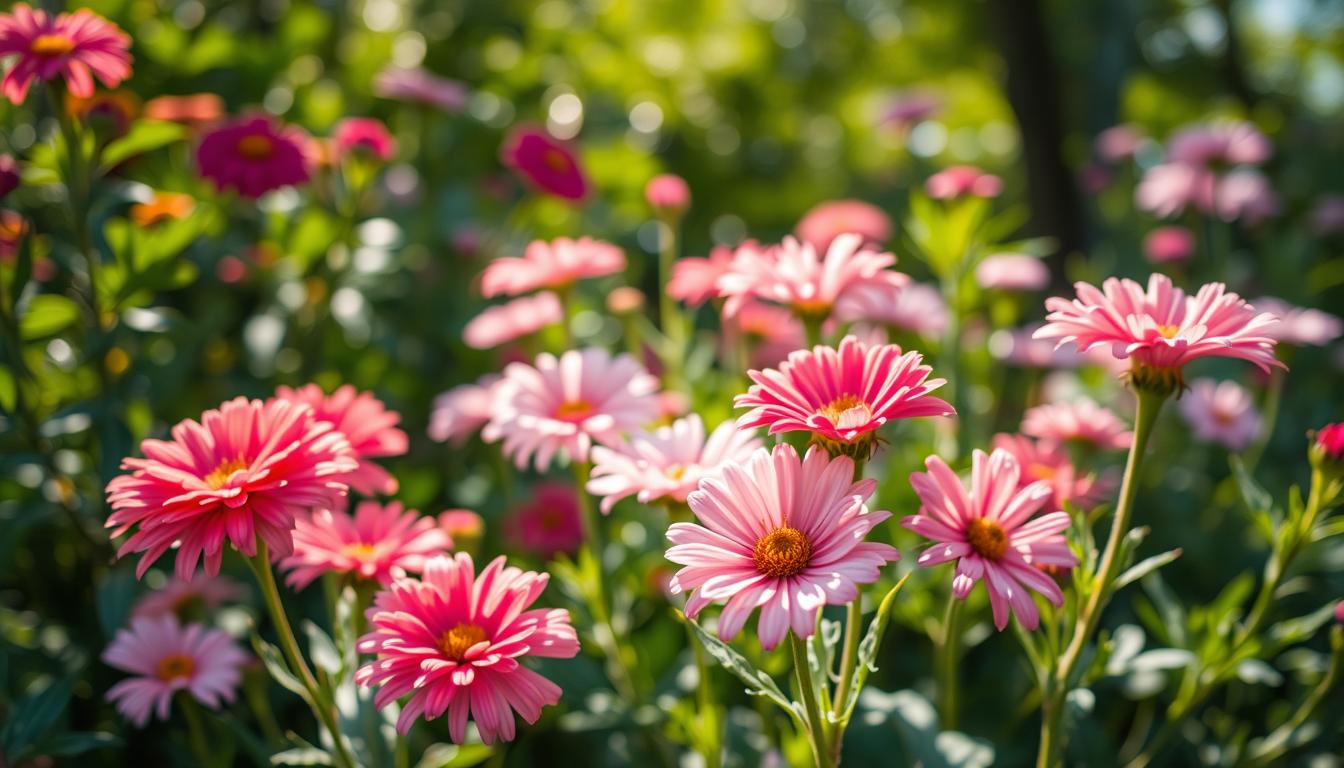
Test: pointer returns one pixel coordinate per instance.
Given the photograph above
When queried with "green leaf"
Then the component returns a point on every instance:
(32, 716)
(868, 646)
(322, 650)
(78, 742)
(144, 136)
(276, 667)
(758, 683)
(454, 755)
(302, 756)
(46, 314)
(1296, 630)
(1145, 567)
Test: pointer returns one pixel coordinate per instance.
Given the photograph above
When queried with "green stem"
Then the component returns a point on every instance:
(816, 726)
(710, 751)
(618, 665)
(948, 652)
(812, 330)
(672, 322)
(196, 735)
(325, 712)
(1277, 743)
(849, 656)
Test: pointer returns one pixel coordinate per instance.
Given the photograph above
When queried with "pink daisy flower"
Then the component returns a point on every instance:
(366, 134)
(695, 280)
(823, 223)
(1080, 419)
(1245, 195)
(1118, 143)
(366, 423)
(668, 195)
(1221, 412)
(990, 532)
(1169, 245)
(244, 470)
(516, 319)
(461, 523)
(1166, 190)
(544, 163)
(76, 47)
(254, 155)
(1161, 329)
(167, 657)
(1299, 325)
(842, 396)
(548, 524)
(461, 411)
(780, 534)
(771, 332)
(1223, 142)
(961, 181)
(453, 641)
(555, 265)
(795, 275)
(198, 597)
(1046, 461)
(379, 543)
(563, 405)
(1012, 272)
(667, 463)
(915, 307)
(417, 85)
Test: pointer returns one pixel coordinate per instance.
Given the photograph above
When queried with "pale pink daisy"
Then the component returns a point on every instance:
(960, 181)
(695, 280)
(1221, 412)
(1169, 245)
(1080, 419)
(1166, 190)
(547, 524)
(555, 265)
(167, 657)
(516, 319)
(366, 423)
(1221, 142)
(842, 396)
(1161, 329)
(76, 47)
(1046, 461)
(781, 534)
(1118, 143)
(418, 85)
(1300, 325)
(453, 641)
(992, 533)
(245, 470)
(461, 411)
(667, 463)
(795, 275)
(1012, 272)
(826, 221)
(562, 405)
(198, 597)
(1245, 195)
(916, 307)
(771, 332)
(378, 543)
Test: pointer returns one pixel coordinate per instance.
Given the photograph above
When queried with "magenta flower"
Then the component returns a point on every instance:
(10, 174)
(991, 533)
(366, 423)
(76, 47)
(419, 86)
(823, 223)
(1223, 142)
(516, 319)
(916, 307)
(166, 657)
(363, 134)
(842, 396)
(254, 155)
(244, 470)
(1169, 245)
(198, 597)
(1012, 272)
(1298, 325)
(795, 275)
(1081, 420)
(461, 411)
(453, 642)
(555, 265)
(668, 195)
(1046, 461)
(544, 163)
(667, 463)
(1221, 412)
(1167, 190)
(695, 280)
(548, 524)
(1329, 440)
(781, 534)
(379, 543)
(563, 405)
(960, 181)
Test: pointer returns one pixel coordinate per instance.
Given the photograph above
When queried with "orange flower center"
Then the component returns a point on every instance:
(987, 538)
(359, 551)
(555, 160)
(846, 411)
(574, 410)
(1042, 471)
(255, 147)
(456, 641)
(51, 45)
(1168, 331)
(176, 667)
(812, 308)
(782, 553)
(220, 476)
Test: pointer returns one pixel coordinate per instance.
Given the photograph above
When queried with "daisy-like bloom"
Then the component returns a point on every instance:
(521, 317)
(1245, 195)
(1327, 215)
(162, 207)
(1299, 325)
(461, 411)
(823, 223)
(1080, 419)
(76, 47)
(795, 275)
(544, 163)
(166, 657)
(244, 470)
(667, 463)
(842, 396)
(1166, 190)
(695, 280)
(1222, 142)
(1012, 272)
(771, 332)
(1118, 143)
(1169, 245)
(555, 265)
(565, 404)
(10, 174)
(781, 534)
(668, 195)
(363, 134)
(420, 86)
(548, 524)
(379, 543)
(1221, 412)
(453, 641)
(254, 155)
(366, 423)
(198, 598)
(1161, 329)
(916, 307)
(992, 532)
(1047, 461)
(960, 181)
(195, 110)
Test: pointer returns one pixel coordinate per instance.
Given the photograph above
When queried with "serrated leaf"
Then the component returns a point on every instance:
(1145, 567)
(757, 682)
(868, 647)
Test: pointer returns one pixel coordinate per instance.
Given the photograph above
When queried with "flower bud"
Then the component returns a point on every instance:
(1327, 447)
(668, 195)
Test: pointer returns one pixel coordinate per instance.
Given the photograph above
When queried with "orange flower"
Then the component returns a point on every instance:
(12, 227)
(164, 206)
(195, 110)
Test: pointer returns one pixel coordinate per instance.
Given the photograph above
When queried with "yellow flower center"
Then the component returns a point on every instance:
(51, 45)
(846, 411)
(359, 551)
(220, 476)
(556, 160)
(456, 641)
(176, 667)
(676, 471)
(782, 553)
(815, 308)
(574, 410)
(255, 147)
(1042, 471)
(1168, 331)
(987, 538)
